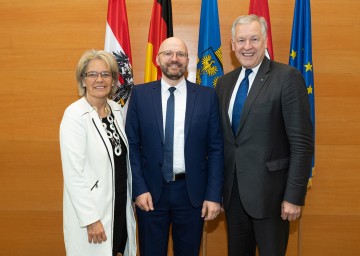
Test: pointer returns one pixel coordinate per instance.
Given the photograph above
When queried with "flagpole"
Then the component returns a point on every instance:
(299, 237)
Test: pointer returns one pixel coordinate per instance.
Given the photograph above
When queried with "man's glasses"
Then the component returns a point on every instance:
(95, 74)
(170, 54)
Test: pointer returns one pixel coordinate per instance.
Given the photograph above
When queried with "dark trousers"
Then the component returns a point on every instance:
(270, 235)
(173, 209)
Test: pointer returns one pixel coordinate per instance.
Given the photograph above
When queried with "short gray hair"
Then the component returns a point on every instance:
(90, 55)
(246, 19)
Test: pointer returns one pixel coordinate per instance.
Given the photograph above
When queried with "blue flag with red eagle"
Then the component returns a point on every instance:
(209, 63)
(301, 55)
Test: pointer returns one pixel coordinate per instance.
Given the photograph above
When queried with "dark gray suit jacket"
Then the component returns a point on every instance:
(271, 153)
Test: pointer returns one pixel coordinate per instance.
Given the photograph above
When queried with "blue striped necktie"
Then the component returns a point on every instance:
(239, 101)
(169, 137)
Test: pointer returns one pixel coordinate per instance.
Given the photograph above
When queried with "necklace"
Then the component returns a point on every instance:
(114, 137)
(106, 109)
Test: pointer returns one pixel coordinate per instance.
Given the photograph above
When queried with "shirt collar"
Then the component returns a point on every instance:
(254, 70)
(180, 87)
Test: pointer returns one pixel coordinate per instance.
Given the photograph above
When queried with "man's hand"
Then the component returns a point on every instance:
(290, 211)
(210, 210)
(96, 233)
(144, 202)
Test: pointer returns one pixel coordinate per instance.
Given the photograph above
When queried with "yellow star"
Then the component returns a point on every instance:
(293, 54)
(308, 67)
(310, 89)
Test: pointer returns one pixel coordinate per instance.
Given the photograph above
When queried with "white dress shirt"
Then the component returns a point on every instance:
(240, 78)
(179, 121)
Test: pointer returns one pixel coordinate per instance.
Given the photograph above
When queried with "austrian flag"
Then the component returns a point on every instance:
(117, 42)
(261, 8)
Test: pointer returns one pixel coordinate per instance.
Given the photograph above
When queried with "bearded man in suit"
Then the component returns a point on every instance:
(192, 192)
(268, 144)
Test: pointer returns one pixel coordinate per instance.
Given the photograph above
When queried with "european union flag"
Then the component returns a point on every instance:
(209, 63)
(301, 53)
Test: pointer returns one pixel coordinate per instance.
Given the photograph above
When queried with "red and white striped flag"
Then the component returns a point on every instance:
(261, 8)
(117, 42)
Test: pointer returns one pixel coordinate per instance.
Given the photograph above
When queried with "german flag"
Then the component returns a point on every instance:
(161, 27)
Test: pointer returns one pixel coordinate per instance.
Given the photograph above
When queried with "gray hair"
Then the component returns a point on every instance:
(82, 65)
(246, 19)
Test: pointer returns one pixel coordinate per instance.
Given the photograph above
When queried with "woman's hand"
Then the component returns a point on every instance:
(96, 233)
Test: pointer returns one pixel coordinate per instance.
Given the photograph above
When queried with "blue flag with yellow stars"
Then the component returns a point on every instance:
(301, 54)
(209, 63)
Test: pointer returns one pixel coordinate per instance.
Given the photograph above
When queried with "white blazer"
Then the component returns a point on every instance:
(88, 169)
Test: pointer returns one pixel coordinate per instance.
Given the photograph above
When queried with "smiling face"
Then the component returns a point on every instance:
(249, 44)
(173, 59)
(97, 87)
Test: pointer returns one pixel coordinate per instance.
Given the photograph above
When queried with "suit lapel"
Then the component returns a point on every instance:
(190, 105)
(95, 119)
(259, 81)
(157, 103)
(227, 96)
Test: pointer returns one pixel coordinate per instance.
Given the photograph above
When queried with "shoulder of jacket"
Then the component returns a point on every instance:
(232, 73)
(147, 85)
(114, 105)
(79, 107)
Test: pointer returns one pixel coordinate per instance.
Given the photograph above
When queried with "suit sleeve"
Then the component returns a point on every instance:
(296, 114)
(73, 156)
(215, 154)
(132, 130)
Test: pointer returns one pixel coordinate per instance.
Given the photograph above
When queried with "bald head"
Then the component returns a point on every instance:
(174, 44)
(173, 60)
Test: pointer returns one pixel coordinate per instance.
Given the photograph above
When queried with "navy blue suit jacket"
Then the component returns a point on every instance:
(203, 142)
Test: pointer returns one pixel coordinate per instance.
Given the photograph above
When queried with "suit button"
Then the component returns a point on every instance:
(236, 145)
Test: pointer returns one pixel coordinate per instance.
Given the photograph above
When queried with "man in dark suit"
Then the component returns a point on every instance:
(193, 191)
(268, 144)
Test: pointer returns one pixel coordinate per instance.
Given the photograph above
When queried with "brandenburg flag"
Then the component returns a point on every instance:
(209, 62)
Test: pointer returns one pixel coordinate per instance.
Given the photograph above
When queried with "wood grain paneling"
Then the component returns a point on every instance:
(334, 235)
(31, 232)
(31, 177)
(40, 44)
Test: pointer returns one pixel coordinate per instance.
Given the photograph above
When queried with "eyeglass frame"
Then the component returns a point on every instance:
(103, 74)
(179, 54)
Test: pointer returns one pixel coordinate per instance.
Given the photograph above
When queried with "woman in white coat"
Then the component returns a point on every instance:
(98, 217)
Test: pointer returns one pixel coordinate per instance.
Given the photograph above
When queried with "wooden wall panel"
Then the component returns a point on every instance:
(40, 44)
(31, 232)
(336, 182)
(30, 176)
(325, 235)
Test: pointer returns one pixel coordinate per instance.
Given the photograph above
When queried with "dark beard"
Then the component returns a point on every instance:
(171, 76)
